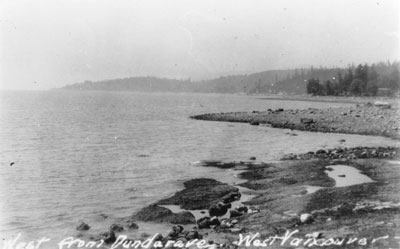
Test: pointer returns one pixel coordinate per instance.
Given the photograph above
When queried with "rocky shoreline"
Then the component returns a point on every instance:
(366, 119)
(295, 193)
(389, 152)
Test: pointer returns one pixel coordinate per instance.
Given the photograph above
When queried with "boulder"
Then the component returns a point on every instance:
(306, 218)
(242, 209)
(176, 232)
(132, 225)
(108, 237)
(234, 213)
(204, 223)
(219, 209)
(207, 222)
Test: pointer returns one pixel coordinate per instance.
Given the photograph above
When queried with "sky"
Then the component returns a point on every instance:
(47, 44)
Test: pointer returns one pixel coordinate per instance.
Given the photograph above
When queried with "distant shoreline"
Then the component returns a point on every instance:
(362, 119)
(330, 99)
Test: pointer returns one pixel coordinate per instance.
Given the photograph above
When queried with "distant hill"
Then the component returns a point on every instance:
(250, 83)
(291, 81)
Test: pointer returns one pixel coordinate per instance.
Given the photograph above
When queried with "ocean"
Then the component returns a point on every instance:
(83, 156)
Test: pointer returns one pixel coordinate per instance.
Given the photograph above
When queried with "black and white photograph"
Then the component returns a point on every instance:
(201, 124)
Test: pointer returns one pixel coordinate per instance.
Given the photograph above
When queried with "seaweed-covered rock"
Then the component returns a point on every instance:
(201, 194)
(156, 213)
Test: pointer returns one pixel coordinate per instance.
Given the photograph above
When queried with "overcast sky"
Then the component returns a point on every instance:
(46, 44)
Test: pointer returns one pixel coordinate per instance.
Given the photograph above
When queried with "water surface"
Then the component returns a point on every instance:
(82, 154)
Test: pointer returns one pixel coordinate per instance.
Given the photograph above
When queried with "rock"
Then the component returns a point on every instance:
(203, 223)
(214, 221)
(132, 225)
(108, 237)
(368, 104)
(234, 221)
(306, 218)
(175, 232)
(235, 230)
(192, 235)
(255, 123)
(242, 209)
(383, 105)
(226, 224)
(156, 213)
(342, 140)
(219, 209)
(306, 120)
(341, 175)
(316, 235)
(201, 194)
(207, 222)
(83, 227)
(231, 197)
(158, 237)
(234, 213)
(252, 158)
(346, 209)
(116, 228)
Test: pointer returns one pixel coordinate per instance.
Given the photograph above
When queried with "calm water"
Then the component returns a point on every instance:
(81, 154)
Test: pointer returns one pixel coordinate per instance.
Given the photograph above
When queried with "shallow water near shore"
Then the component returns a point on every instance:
(346, 175)
(81, 156)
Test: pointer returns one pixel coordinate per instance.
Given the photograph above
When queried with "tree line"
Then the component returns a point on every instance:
(363, 80)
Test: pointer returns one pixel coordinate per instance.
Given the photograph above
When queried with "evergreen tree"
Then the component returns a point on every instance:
(356, 87)
(313, 87)
(330, 88)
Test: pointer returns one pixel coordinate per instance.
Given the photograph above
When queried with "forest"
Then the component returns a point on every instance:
(363, 80)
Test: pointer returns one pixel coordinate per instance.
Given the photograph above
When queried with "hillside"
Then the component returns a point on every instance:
(291, 81)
